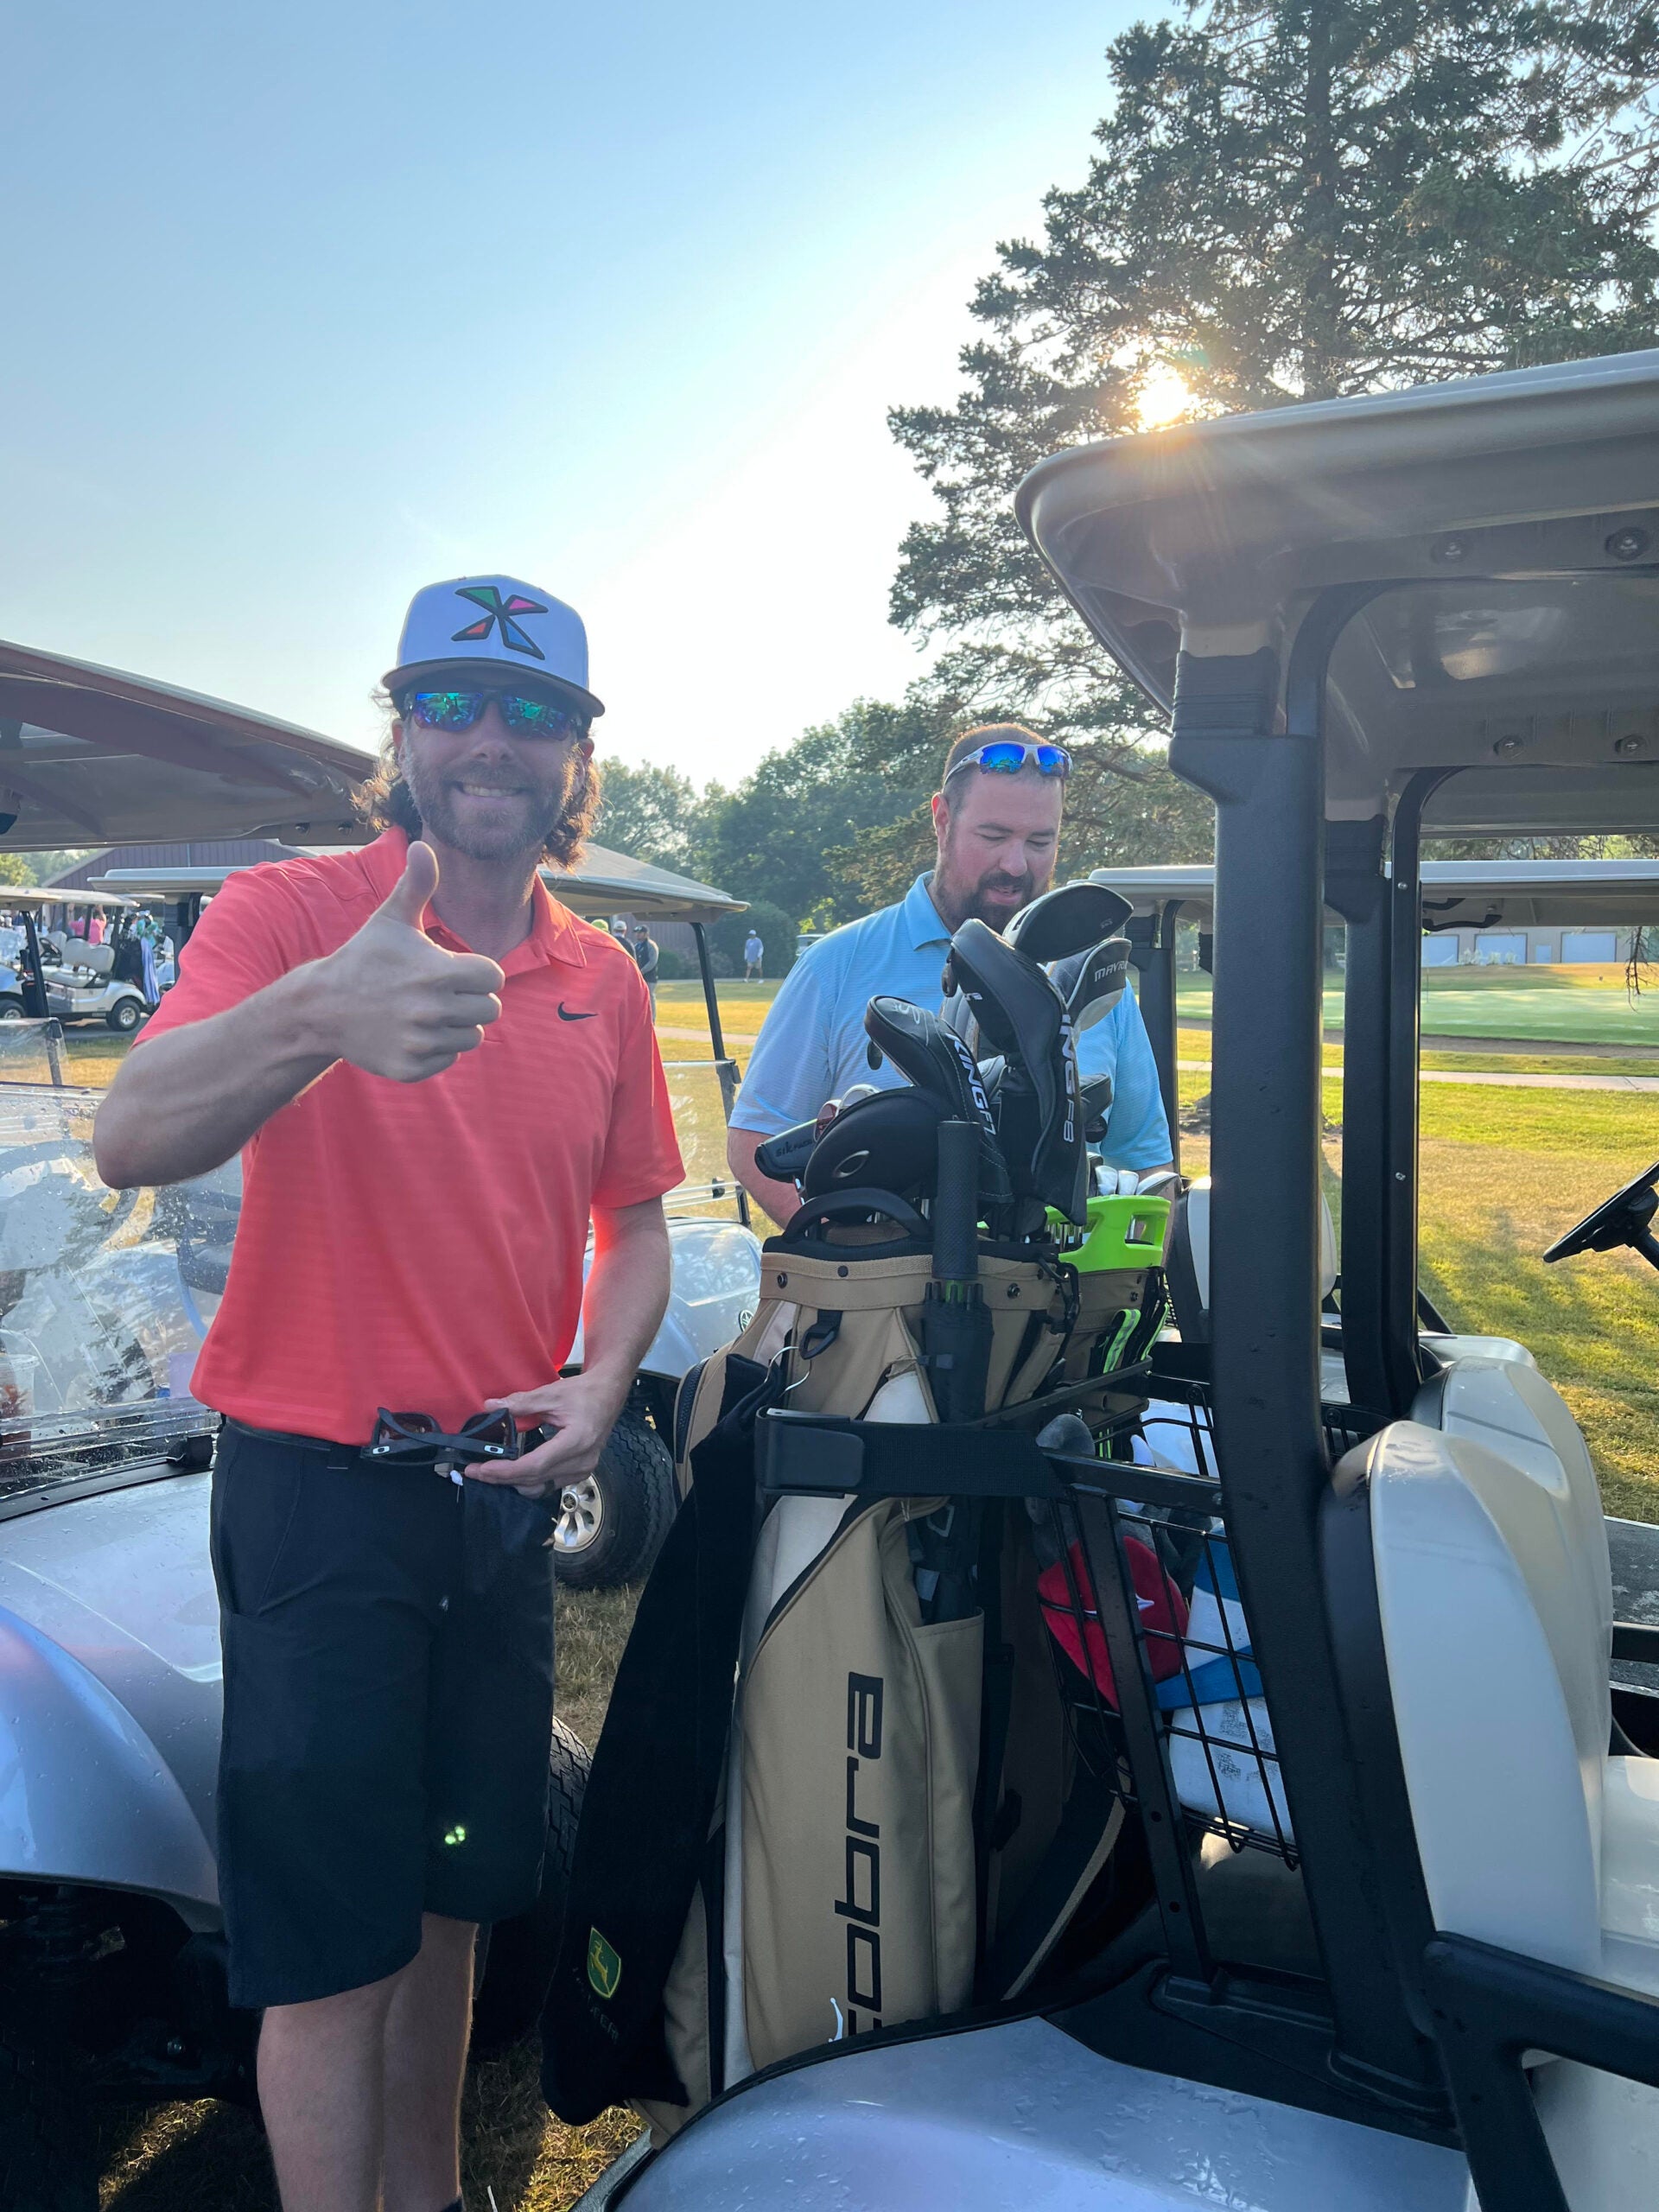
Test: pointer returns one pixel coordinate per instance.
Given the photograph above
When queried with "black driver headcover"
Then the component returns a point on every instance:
(891, 1139)
(656, 1773)
(1022, 1015)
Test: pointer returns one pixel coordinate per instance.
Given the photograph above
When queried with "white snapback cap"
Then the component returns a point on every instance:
(501, 625)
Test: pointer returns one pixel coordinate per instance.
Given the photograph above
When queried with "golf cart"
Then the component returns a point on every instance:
(1384, 1933)
(1605, 895)
(112, 1975)
(609, 1525)
(61, 975)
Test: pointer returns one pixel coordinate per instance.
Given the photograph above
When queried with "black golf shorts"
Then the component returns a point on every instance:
(387, 1640)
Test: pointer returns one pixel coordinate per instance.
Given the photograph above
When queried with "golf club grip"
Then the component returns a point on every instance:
(956, 1207)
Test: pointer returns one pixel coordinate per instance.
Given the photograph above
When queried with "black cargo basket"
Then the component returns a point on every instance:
(1140, 1589)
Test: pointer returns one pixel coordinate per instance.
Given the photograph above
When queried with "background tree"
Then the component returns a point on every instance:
(777, 836)
(1290, 201)
(651, 813)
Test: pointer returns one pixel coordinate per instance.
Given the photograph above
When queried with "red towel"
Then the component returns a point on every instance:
(1163, 1615)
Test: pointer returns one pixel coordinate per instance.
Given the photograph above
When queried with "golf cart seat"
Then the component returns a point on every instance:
(1495, 1614)
(1188, 1262)
(1188, 1267)
(96, 960)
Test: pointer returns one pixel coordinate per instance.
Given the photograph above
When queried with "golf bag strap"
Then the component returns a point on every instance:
(809, 1454)
(652, 1793)
(1087, 1831)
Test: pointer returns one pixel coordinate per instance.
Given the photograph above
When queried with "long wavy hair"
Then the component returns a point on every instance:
(386, 802)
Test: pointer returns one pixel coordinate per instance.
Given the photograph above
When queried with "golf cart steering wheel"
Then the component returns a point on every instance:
(1621, 1219)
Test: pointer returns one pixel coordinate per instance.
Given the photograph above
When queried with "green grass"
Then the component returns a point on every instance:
(1501, 1174)
(1569, 1005)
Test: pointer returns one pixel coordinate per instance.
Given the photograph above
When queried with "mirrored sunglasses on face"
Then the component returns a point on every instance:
(1007, 756)
(463, 710)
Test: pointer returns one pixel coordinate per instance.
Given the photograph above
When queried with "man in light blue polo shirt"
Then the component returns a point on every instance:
(996, 818)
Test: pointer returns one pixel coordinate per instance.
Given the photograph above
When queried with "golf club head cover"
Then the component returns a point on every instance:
(1097, 1098)
(938, 1063)
(958, 1015)
(889, 1139)
(783, 1157)
(1068, 919)
(1022, 1015)
(1092, 982)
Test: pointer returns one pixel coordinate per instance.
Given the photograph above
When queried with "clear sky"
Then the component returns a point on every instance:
(303, 306)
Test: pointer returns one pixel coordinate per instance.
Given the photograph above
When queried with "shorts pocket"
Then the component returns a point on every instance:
(256, 1515)
(505, 1535)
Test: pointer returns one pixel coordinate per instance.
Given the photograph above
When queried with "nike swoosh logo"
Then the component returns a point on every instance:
(565, 1014)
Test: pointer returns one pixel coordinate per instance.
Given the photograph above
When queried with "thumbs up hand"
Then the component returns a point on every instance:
(401, 1006)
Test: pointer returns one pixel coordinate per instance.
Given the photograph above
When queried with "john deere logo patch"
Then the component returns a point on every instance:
(604, 1968)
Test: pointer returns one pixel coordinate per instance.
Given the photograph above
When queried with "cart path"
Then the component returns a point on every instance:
(1496, 1081)
(1477, 1040)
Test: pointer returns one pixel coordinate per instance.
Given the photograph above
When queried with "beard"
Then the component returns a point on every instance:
(530, 819)
(958, 902)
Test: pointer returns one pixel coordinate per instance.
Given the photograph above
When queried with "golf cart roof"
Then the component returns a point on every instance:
(1456, 895)
(605, 883)
(93, 756)
(46, 896)
(1498, 542)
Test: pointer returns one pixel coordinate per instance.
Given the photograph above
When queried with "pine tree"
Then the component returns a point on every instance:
(1290, 201)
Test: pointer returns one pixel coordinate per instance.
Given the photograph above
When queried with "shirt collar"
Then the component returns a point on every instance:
(553, 932)
(922, 918)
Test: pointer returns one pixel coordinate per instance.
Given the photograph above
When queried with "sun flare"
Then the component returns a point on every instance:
(1165, 398)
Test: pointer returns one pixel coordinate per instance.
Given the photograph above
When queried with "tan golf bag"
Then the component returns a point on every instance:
(896, 1766)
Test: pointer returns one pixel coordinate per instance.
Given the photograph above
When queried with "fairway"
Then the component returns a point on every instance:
(1569, 1006)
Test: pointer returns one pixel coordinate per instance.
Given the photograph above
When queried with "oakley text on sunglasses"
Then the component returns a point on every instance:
(463, 710)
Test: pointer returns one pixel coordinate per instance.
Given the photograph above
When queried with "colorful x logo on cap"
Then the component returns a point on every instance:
(498, 610)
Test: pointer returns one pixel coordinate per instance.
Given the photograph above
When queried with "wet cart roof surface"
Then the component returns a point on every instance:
(1498, 541)
(95, 756)
(606, 882)
(1456, 895)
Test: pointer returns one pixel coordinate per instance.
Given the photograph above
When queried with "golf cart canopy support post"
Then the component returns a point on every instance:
(1267, 782)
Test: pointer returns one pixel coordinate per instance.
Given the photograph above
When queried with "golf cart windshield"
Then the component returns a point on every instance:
(102, 1299)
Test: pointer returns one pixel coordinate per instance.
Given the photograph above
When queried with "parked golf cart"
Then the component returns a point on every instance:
(1501, 894)
(610, 1525)
(1407, 1956)
(61, 977)
(111, 1972)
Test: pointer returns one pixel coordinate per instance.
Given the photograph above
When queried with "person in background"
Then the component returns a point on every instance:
(754, 953)
(147, 930)
(95, 928)
(996, 824)
(648, 954)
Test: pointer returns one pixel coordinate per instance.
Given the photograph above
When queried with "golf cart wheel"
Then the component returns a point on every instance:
(518, 1964)
(607, 1527)
(124, 1016)
(11, 1006)
(47, 2155)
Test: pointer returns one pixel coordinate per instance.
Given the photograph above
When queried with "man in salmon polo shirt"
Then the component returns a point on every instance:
(437, 1076)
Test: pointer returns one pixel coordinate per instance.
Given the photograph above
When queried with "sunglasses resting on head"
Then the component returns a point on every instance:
(1007, 756)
